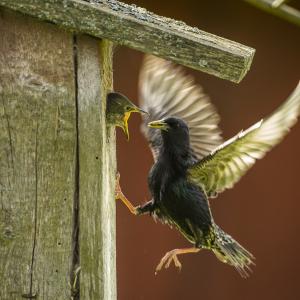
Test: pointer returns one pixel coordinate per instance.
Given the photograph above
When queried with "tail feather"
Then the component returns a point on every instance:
(231, 252)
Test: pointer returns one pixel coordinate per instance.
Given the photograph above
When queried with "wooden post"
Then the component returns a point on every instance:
(57, 162)
(97, 165)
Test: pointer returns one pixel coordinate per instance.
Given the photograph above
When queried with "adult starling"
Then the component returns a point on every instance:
(192, 163)
(119, 109)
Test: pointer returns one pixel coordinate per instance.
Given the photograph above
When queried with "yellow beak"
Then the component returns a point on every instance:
(126, 118)
(160, 124)
(138, 110)
(125, 124)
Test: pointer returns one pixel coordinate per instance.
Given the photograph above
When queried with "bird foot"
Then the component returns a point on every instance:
(120, 196)
(167, 259)
(118, 190)
(172, 256)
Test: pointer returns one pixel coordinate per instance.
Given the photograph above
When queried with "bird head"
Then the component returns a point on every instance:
(175, 135)
(119, 109)
(170, 124)
(172, 128)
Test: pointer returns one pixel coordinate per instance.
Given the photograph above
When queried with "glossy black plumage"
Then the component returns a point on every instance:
(174, 198)
(180, 203)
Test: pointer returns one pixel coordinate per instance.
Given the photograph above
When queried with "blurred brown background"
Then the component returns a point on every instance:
(262, 211)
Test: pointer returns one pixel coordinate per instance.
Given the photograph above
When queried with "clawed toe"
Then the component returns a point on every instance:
(120, 196)
(176, 261)
(118, 190)
(172, 256)
(167, 260)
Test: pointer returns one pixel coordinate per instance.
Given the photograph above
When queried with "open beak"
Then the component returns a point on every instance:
(126, 118)
(125, 124)
(138, 110)
(160, 124)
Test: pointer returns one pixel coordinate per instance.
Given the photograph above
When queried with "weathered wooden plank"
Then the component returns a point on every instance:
(283, 11)
(37, 158)
(136, 28)
(97, 168)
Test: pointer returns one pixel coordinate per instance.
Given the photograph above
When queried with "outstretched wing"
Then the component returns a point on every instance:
(225, 166)
(166, 91)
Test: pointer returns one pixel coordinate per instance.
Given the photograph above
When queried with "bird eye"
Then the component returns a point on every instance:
(127, 108)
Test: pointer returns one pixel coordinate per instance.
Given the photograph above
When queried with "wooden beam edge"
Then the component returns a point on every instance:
(137, 28)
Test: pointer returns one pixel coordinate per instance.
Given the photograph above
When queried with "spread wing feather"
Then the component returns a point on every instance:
(222, 168)
(166, 91)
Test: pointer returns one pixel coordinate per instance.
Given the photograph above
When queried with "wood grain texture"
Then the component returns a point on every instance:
(283, 11)
(97, 168)
(139, 29)
(37, 158)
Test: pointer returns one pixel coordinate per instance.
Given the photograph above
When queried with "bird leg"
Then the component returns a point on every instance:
(120, 196)
(172, 256)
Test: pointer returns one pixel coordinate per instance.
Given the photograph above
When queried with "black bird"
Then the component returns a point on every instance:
(192, 163)
(119, 109)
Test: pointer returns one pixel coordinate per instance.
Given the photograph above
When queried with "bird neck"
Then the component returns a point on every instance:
(175, 155)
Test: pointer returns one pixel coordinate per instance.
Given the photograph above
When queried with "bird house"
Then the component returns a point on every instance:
(57, 155)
